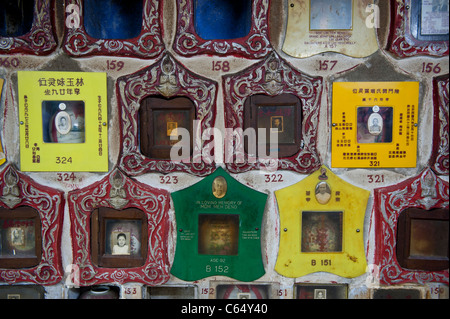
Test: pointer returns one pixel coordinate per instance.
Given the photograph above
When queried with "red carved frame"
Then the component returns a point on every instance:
(389, 202)
(119, 192)
(40, 40)
(272, 77)
(401, 42)
(439, 158)
(17, 189)
(253, 46)
(169, 78)
(148, 44)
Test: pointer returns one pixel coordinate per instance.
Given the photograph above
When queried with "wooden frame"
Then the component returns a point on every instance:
(99, 218)
(272, 77)
(147, 45)
(404, 236)
(40, 40)
(116, 193)
(147, 120)
(23, 213)
(253, 102)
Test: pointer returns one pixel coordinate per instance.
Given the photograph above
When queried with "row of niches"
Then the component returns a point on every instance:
(271, 110)
(224, 27)
(120, 230)
(226, 290)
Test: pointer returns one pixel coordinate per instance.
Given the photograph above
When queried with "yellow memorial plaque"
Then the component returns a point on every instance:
(343, 26)
(63, 121)
(2, 154)
(321, 227)
(374, 124)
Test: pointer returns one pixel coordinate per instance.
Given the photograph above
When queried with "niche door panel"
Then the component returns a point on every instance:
(89, 31)
(155, 102)
(120, 231)
(401, 214)
(26, 27)
(222, 27)
(31, 221)
(274, 96)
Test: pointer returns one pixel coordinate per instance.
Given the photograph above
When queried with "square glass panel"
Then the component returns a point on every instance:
(429, 238)
(17, 238)
(63, 121)
(113, 19)
(218, 234)
(123, 237)
(375, 124)
(278, 120)
(166, 123)
(434, 17)
(331, 15)
(321, 232)
(222, 19)
(16, 17)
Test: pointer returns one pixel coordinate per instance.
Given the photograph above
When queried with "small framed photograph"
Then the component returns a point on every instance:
(63, 121)
(320, 294)
(321, 291)
(20, 238)
(119, 237)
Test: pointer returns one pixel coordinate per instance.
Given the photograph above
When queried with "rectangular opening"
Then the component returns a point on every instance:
(280, 115)
(113, 19)
(20, 238)
(222, 19)
(243, 291)
(158, 119)
(375, 124)
(311, 291)
(429, 20)
(186, 292)
(218, 234)
(321, 231)
(63, 121)
(16, 17)
(331, 15)
(119, 238)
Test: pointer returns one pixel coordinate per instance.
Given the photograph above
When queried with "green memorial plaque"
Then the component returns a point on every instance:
(218, 229)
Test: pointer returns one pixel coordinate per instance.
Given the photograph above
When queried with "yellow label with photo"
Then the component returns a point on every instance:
(63, 121)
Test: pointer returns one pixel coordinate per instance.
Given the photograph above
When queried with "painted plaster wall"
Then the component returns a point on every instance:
(380, 65)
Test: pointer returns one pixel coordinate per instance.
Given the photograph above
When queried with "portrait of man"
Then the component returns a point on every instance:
(172, 127)
(17, 236)
(320, 294)
(219, 187)
(375, 124)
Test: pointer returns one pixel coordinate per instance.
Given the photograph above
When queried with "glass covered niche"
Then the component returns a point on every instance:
(222, 19)
(16, 17)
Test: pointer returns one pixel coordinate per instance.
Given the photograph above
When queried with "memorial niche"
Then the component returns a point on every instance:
(423, 239)
(113, 19)
(16, 17)
(321, 227)
(119, 238)
(222, 19)
(159, 120)
(20, 238)
(218, 229)
(321, 291)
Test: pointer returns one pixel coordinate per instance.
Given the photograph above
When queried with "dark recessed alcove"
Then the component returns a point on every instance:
(16, 17)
